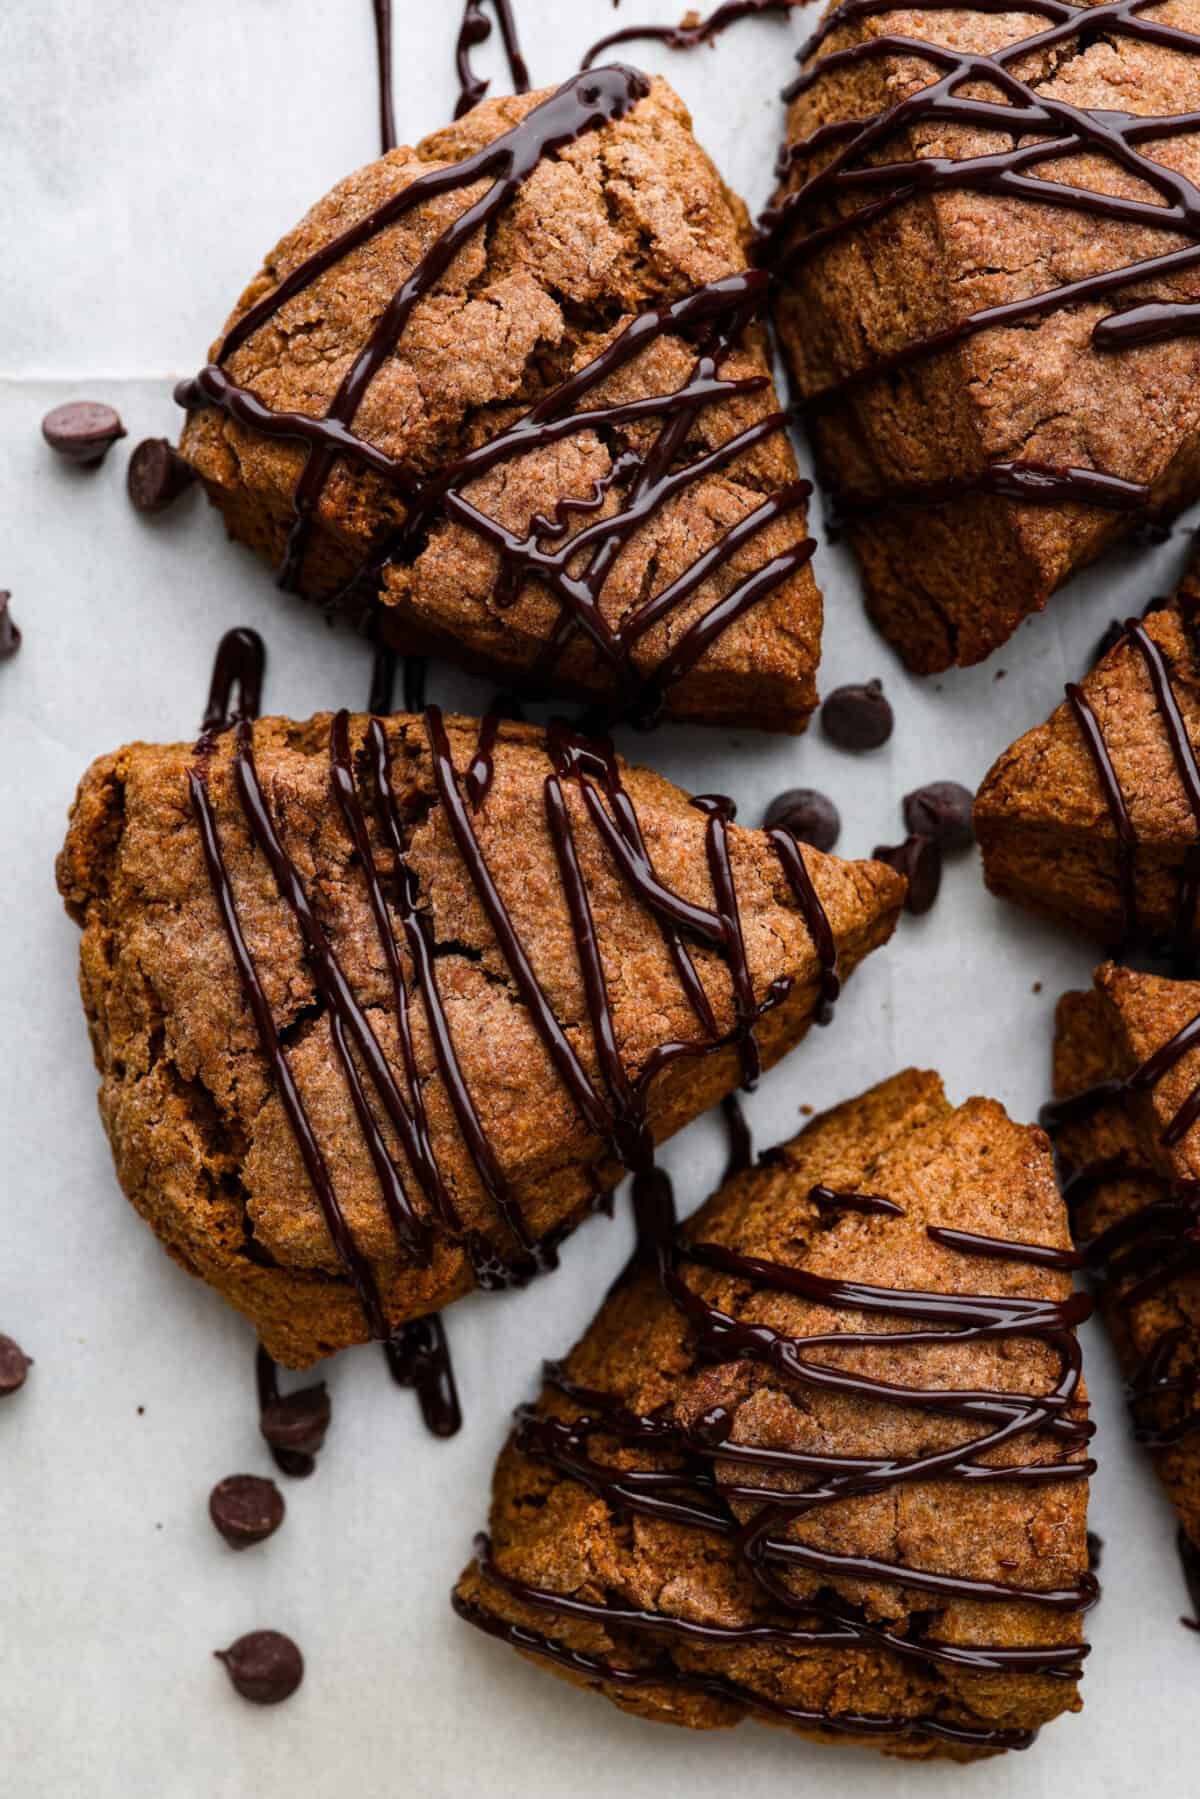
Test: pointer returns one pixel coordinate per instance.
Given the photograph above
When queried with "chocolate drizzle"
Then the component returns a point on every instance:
(1158, 673)
(616, 1112)
(697, 1491)
(1039, 130)
(475, 29)
(688, 36)
(572, 567)
(383, 48)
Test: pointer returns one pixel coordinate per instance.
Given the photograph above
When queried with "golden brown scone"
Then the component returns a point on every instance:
(1052, 838)
(566, 1541)
(1139, 1190)
(201, 1138)
(947, 583)
(629, 217)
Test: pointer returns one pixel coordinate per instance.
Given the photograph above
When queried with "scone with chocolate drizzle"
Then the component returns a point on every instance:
(383, 1007)
(514, 385)
(821, 1458)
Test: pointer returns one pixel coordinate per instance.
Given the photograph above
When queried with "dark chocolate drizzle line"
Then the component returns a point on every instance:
(1189, 1557)
(418, 1356)
(696, 1494)
(475, 29)
(687, 37)
(1158, 674)
(741, 1143)
(1040, 129)
(383, 49)
(572, 568)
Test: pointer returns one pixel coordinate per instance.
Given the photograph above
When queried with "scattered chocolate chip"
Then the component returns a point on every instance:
(14, 1366)
(297, 1422)
(246, 1509)
(919, 860)
(857, 718)
(808, 815)
(157, 475)
(10, 636)
(82, 431)
(944, 811)
(265, 1666)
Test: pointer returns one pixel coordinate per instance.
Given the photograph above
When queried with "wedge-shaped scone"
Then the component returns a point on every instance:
(551, 438)
(983, 428)
(1126, 1077)
(757, 1486)
(1093, 818)
(421, 987)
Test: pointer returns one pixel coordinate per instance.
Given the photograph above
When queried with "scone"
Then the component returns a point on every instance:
(1093, 818)
(821, 1458)
(1127, 1086)
(383, 1008)
(515, 384)
(997, 387)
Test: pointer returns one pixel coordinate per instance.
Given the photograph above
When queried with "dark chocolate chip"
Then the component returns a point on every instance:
(919, 860)
(265, 1666)
(808, 815)
(14, 1366)
(246, 1509)
(857, 718)
(157, 475)
(297, 1421)
(10, 636)
(944, 811)
(82, 431)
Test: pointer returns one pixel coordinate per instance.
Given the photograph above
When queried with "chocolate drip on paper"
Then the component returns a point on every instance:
(475, 29)
(688, 36)
(616, 1111)
(710, 1476)
(572, 568)
(383, 48)
(1040, 129)
(741, 1142)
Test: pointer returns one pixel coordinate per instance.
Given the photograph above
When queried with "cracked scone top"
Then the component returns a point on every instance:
(515, 381)
(1093, 818)
(987, 419)
(489, 968)
(754, 1487)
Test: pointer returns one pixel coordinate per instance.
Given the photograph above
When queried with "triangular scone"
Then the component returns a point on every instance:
(1133, 1200)
(570, 268)
(982, 463)
(1094, 817)
(900, 1611)
(550, 836)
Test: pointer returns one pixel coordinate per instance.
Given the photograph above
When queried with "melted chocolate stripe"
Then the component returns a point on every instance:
(688, 35)
(383, 48)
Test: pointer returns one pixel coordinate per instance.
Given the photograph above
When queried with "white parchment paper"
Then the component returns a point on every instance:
(150, 151)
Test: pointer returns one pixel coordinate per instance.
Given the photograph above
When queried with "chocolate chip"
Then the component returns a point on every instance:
(14, 1366)
(82, 431)
(944, 811)
(10, 636)
(265, 1666)
(246, 1509)
(808, 815)
(919, 860)
(157, 475)
(857, 718)
(297, 1421)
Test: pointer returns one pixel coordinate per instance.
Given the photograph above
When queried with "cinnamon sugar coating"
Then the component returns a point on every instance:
(948, 583)
(200, 1138)
(627, 218)
(967, 1168)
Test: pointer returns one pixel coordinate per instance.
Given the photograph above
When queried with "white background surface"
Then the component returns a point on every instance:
(150, 151)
